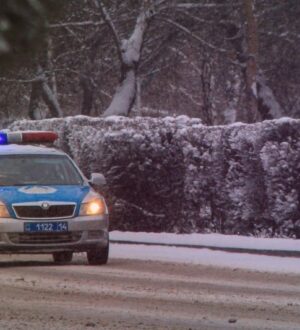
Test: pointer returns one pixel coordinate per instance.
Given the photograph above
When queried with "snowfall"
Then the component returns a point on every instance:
(209, 250)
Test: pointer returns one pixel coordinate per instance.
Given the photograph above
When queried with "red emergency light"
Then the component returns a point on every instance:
(28, 137)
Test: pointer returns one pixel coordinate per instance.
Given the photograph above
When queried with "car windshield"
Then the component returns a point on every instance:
(19, 170)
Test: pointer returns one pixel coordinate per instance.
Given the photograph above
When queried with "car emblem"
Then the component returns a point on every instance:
(37, 190)
(45, 206)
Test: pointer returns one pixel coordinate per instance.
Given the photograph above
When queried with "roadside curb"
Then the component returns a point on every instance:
(278, 253)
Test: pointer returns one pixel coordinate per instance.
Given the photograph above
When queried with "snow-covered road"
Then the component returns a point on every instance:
(151, 287)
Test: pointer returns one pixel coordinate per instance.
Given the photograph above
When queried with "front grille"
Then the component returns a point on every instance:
(37, 212)
(44, 238)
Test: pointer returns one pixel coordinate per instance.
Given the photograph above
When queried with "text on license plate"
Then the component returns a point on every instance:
(46, 227)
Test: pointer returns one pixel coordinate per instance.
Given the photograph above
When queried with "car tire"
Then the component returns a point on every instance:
(63, 257)
(98, 256)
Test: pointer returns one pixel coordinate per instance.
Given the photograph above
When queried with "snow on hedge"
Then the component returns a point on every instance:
(177, 175)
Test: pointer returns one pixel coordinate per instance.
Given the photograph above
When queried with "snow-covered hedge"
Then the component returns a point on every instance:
(176, 175)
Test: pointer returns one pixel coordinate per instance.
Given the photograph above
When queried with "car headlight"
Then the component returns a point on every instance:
(94, 207)
(3, 211)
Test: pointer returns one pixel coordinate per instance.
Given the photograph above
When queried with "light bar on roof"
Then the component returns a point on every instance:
(28, 137)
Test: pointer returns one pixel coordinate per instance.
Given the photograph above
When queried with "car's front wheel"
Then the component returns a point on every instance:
(98, 256)
(63, 257)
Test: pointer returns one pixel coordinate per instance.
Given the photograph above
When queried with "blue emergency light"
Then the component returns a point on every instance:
(3, 138)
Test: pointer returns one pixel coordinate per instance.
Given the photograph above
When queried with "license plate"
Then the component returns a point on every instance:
(46, 227)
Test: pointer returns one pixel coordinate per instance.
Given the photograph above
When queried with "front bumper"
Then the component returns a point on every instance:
(84, 234)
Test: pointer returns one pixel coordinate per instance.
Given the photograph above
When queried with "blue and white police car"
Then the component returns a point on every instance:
(46, 203)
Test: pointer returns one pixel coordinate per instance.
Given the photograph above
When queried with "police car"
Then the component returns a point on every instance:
(46, 203)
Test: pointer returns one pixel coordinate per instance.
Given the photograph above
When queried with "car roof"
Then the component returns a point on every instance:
(15, 149)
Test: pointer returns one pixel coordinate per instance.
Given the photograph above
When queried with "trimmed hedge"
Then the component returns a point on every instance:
(176, 175)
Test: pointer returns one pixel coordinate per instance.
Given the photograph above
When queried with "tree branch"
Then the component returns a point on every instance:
(193, 35)
(84, 23)
(191, 5)
(107, 19)
(203, 5)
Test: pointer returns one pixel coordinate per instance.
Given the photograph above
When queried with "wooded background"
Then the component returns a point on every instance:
(222, 61)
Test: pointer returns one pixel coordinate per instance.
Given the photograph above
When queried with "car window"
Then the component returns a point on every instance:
(38, 170)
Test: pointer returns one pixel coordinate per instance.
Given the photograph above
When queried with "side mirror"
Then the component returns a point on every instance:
(98, 179)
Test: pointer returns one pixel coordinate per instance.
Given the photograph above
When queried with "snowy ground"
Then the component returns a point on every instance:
(196, 288)
(145, 295)
(209, 240)
(208, 257)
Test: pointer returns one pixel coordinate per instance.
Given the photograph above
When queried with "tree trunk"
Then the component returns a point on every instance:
(130, 53)
(252, 114)
(53, 82)
(124, 96)
(268, 106)
(50, 100)
(48, 96)
(88, 90)
(86, 82)
(34, 108)
(139, 96)
(206, 93)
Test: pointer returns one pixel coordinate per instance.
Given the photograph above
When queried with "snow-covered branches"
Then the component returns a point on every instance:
(98, 51)
(129, 53)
